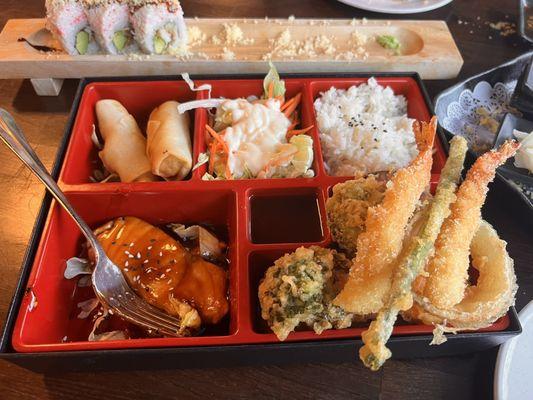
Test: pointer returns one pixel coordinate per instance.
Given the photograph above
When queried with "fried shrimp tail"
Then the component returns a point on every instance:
(448, 268)
(374, 352)
(381, 242)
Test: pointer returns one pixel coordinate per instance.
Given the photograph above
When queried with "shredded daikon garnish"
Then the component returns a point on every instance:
(207, 103)
(193, 87)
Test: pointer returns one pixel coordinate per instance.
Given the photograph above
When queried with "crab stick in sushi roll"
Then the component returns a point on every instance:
(109, 20)
(67, 21)
(158, 25)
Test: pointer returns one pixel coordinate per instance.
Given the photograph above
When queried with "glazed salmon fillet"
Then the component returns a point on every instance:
(164, 273)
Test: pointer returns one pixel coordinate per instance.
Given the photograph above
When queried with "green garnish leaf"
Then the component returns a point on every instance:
(273, 78)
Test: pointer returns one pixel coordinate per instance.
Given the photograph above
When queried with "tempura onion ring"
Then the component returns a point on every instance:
(484, 302)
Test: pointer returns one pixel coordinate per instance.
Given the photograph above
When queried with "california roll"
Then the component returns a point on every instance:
(68, 22)
(158, 25)
(109, 20)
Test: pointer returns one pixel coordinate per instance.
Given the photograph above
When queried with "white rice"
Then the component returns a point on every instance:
(364, 130)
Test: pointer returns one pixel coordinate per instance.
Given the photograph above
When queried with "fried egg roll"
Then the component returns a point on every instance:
(169, 142)
(124, 150)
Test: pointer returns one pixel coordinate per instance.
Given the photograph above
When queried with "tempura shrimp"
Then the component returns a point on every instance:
(381, 242)
(411, 262)
(448, 268)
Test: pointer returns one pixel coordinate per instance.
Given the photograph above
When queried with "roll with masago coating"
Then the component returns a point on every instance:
(67, 21)
(109, 20)
(158, 25)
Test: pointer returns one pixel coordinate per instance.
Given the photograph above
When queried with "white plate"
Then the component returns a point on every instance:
(513, 374)
(397, 6)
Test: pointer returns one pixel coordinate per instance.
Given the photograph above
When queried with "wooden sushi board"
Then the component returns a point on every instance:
(427, 47)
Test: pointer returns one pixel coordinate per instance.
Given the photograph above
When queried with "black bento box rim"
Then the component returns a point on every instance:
(340, 350)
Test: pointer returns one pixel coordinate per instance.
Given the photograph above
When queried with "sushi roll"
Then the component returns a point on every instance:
(109, 20)
(67, 21)
(158, 25)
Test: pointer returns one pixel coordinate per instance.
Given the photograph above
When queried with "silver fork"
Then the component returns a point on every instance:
(108, 281)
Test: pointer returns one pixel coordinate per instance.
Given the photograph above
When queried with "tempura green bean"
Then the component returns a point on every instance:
(374, 353)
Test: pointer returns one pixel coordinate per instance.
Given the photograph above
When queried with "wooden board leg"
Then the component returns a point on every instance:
(47, 86)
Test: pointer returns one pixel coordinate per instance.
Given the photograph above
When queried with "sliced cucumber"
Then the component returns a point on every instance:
(120, 39)
(82, 42)
(159, 44)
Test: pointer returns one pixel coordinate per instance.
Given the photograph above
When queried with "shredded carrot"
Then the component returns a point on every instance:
(281, 160)
(212, 151)
(214, 148)
(228, 171)
(289, 102)
(293, 105)
(270, 92)
(292, 126)
(274, 162)
(295, 121)
(217, 137)
(295, 132)
(224, 148)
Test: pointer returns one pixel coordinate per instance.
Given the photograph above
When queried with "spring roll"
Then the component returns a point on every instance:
(169, 142)
(124, 150)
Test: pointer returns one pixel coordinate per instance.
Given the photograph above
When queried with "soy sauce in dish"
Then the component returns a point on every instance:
(285, 219)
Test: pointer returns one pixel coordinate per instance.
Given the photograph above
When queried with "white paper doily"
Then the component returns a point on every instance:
(474, 112)
(463, 118)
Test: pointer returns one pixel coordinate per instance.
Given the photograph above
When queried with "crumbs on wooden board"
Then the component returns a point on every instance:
(231, 36)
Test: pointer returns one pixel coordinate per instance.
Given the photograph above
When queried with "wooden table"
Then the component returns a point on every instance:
(43, 120)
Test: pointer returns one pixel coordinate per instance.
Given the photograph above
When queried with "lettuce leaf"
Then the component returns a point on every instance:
(273, 77)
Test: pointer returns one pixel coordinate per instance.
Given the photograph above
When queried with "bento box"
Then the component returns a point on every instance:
(35, 337)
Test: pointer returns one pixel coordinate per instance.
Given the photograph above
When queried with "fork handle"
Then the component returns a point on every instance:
(13, 137)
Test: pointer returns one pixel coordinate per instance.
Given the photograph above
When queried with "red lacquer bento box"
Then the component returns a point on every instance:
(52, 335)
